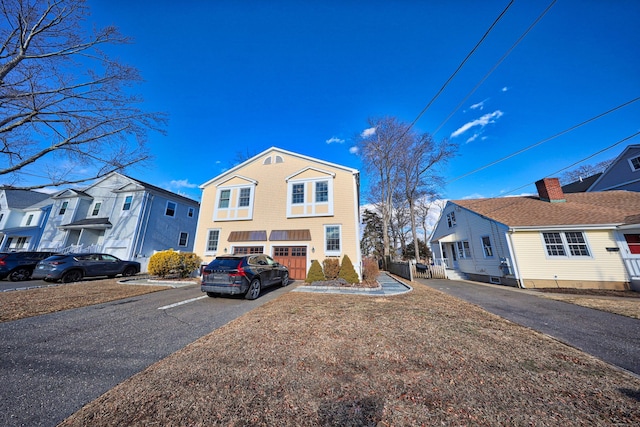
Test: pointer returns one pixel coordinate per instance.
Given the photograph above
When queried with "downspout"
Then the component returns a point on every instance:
(512, 254)
(356, 182)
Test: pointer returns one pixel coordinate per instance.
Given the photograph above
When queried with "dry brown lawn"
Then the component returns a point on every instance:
(34, 302)
(422, 358)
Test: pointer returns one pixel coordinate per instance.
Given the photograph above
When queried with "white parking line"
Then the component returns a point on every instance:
(181, 302)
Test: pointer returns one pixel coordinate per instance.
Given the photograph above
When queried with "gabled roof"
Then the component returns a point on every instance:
(145, 186)
(608, 208)
(233, 170)
(613, 172)
(22, 199)
(581, 185)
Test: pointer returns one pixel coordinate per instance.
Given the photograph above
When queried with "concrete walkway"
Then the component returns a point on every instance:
(388, 286)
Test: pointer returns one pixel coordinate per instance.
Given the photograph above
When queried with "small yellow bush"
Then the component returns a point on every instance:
(315, 273)
(172, 263)
(347, 272)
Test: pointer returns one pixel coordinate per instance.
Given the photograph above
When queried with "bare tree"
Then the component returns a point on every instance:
(64, 104)
(378, 148)
(584, 171)
(418, 171)
(422, 209)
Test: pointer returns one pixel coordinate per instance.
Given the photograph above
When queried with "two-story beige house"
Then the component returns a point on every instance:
(293, 207)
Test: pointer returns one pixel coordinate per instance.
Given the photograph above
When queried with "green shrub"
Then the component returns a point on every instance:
(331, 268)
(347, 272)
(172, 263)
(370, 270)
(315, 273)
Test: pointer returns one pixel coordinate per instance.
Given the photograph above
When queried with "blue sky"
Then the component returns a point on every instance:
(242, 76)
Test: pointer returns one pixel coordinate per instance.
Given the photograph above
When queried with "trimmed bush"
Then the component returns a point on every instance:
(347, 272)
(331, 268)
(172, 263)
(370, 270)
(315, 273)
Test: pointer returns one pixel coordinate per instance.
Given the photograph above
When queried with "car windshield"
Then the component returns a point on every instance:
(225, 263)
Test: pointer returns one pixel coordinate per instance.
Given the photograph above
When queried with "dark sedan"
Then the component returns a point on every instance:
(73, 267)
(242, 275)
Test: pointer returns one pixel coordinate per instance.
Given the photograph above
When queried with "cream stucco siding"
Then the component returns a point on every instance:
(272, 173)
(539, 270)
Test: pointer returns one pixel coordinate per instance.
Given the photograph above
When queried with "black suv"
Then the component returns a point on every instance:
(242, 275)
(19, 266)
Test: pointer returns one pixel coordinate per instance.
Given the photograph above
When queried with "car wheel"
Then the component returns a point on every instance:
(72, 276)
(254, 289)
(129, 271)
(20, 274)
(212, 294)
(285, 279)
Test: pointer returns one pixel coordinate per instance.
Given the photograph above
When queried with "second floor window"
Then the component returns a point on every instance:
(451, 219)
(225, 195)
(190, 212)
(63, 208)
(127, 203)
(634, 162)
(322, 191)
(245, 197)
(171, 209)
(96, 209)
(297, 193)
(29, 219)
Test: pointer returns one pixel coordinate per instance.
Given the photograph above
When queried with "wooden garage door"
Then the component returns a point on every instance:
(295, 258)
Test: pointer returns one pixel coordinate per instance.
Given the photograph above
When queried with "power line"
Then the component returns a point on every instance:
(495, 66)
(495, 22)
(544, 140)
(579, 161)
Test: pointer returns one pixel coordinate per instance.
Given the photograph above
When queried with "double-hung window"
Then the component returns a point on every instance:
(297, 193)
(170, 209)
(634, 162)
(464, 250)
(332, 238)
(184, 238)
(451, 219)
(127, 203)
(63, 208)
(245, 197)
(487, 249)
(225, 196)
(212, 240)
(322, 191)
(566, 244)
(96, 208)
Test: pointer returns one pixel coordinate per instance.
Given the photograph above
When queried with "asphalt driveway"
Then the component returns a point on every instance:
(610, 337)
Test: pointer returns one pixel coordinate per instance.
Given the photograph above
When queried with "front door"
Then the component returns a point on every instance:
(631, 257)
(294, 258)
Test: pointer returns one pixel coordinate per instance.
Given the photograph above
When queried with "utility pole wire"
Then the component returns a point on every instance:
(580, 161)
(496, 65)
(495, 22)
(544, 140)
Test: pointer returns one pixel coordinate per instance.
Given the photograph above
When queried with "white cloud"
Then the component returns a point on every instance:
(182, 183)
(368, 132)
(334, 139)
(479, 105)
(504, 89)
(482, 122)
(354, 150)
(473, 138)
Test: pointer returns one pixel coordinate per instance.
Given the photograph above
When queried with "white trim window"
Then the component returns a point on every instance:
(224, 199)
(63, 208)
(310, 197)
(244, 199)
(566, 244)
(451, 219)
(184, 239)
(634, 162)
(170, 209)
(487, 249)
(332, 239)
(234, 203)
(127, 203)
(213, 237)
(96, 208)
(464, 250)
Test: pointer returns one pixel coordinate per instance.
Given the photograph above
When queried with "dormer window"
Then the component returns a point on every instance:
(63, 208)
(96, 209)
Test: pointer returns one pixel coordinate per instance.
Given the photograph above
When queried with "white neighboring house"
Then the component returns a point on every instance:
(23, 214)
(121, 216)
(579, 240)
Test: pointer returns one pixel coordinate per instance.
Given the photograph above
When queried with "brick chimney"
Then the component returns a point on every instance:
(549, 190)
